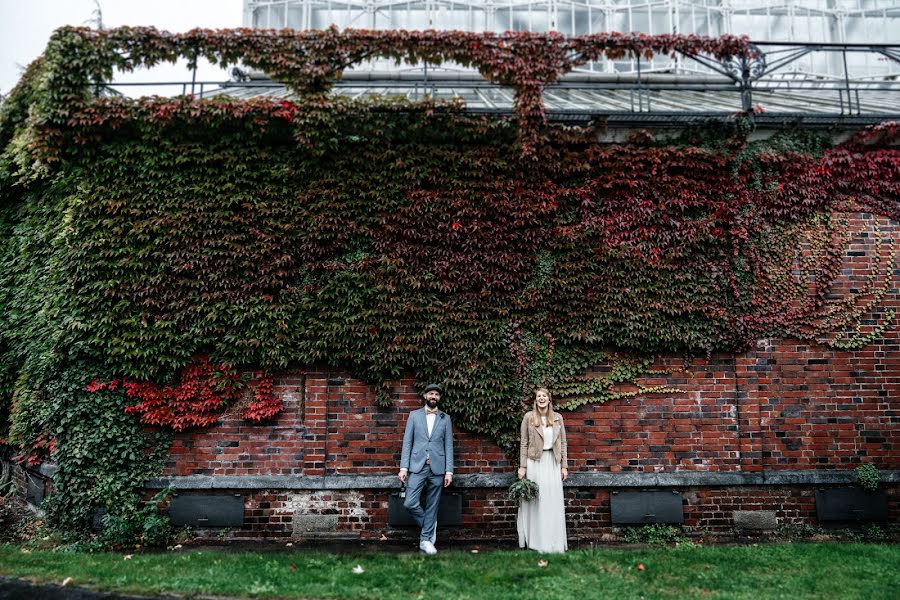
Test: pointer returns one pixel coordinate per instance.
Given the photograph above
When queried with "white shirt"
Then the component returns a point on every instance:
(429, 421)
(548, 438)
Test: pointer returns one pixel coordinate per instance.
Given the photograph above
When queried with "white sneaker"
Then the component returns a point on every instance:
(427, 547)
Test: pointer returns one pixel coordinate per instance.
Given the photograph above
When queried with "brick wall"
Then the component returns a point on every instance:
(723, 419)
(781, 407)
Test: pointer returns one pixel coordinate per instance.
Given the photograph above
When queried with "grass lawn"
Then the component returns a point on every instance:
(766, 571)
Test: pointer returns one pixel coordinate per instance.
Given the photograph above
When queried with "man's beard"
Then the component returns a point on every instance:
(431, 403)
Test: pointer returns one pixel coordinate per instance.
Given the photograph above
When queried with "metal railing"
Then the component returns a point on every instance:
(775, 66)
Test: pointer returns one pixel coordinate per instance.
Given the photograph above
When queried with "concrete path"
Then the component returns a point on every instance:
(18, 589)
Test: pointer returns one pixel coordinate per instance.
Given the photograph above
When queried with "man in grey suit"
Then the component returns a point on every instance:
(426, 464)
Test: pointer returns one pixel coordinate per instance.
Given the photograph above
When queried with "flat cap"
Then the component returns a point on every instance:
(432, 387)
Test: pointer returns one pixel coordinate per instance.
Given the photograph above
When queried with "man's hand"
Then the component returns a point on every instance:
(448, 479)
(402, 475)
(522, 472)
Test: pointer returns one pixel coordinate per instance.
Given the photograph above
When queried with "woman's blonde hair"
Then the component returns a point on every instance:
(535, 412)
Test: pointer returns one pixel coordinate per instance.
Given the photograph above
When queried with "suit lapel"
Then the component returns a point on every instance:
(424, 419)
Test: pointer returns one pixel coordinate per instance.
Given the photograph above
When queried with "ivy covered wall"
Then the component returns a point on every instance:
(154, 248)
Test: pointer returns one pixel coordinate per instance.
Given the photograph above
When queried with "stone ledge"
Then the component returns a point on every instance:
(493, 480)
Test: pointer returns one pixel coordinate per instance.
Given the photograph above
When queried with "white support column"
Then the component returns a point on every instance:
(834, 15)
(727, 26)
(370, 13)
(249, 9)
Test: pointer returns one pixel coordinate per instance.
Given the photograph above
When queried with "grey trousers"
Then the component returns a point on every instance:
(432, 485)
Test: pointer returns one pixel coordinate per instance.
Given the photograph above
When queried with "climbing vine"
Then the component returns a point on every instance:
(309, 62)
(103, 456)
(155, 248)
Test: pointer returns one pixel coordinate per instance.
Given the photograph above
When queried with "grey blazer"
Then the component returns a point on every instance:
(417, 444)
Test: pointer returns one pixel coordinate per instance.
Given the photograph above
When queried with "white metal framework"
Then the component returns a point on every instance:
(791, 21)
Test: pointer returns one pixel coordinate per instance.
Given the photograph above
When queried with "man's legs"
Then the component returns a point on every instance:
(414, 486)
(432, 485)
(432, 501)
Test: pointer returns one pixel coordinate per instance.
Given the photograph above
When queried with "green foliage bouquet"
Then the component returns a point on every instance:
(523, 489)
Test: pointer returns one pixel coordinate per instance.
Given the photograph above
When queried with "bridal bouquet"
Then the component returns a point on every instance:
(523, 489)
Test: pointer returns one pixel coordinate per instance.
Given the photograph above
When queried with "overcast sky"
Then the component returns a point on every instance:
(26, 25)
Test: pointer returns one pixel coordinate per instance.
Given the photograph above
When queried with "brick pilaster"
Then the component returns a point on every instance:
(315, 424)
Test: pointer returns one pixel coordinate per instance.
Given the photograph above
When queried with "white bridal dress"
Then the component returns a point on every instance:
(542, 521)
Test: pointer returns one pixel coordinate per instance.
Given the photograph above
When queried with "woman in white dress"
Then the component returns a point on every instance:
(543, 458)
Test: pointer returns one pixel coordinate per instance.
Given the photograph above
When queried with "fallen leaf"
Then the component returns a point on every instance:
(25, 551)
(640, 567)
(358, 569)
(289, 545)
(66, 581)
(176, 547)
(542, 563)
(475, 551)
(293, 567)
(383, 538)
(126, 557)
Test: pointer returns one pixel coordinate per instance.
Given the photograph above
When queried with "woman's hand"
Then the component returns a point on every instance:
(521, 472)
(565, 473)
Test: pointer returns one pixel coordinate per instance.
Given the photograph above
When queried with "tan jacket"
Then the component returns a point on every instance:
(532, 441)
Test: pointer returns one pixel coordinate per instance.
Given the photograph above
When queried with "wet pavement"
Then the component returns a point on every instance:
(18, 589)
